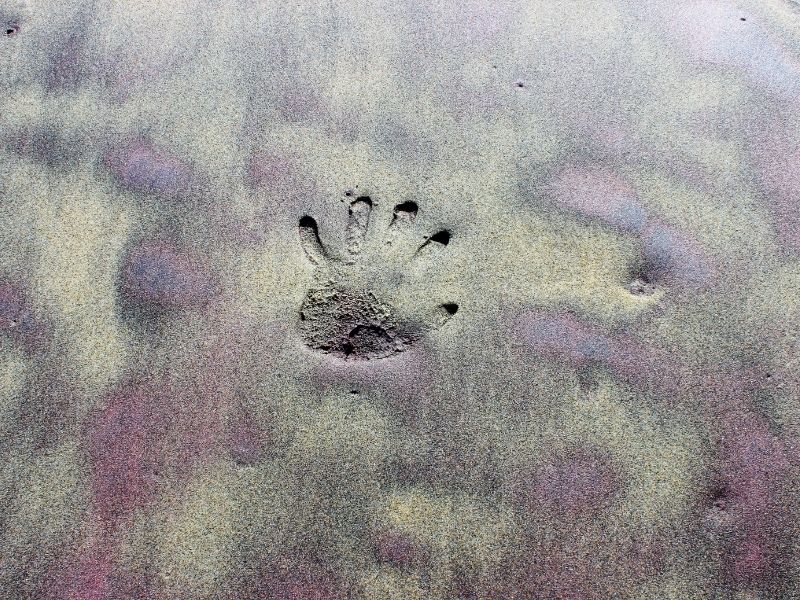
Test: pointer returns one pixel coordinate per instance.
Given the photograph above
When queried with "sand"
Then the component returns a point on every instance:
(399, 300)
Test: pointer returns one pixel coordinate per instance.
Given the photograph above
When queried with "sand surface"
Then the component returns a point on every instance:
(404, 300)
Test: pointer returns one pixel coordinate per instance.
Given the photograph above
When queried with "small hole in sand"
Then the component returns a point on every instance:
(450, 308)
(309, 222)
(406, 212)
(407, 207)
(442, 237)
(12, 30)
(519, 84)
(743, 19)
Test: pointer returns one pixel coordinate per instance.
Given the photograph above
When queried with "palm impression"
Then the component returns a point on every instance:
(348, 312)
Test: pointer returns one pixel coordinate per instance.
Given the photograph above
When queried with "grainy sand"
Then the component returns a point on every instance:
(478, 299)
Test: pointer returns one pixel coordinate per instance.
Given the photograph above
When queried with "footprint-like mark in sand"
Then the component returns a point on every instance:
(343, 313)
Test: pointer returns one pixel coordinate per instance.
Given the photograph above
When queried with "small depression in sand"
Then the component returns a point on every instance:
(343, 318)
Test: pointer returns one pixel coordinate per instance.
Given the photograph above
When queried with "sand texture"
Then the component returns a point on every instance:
(400, 300)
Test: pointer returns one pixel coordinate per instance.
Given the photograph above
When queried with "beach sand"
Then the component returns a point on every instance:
(403, 300)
